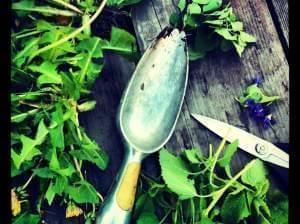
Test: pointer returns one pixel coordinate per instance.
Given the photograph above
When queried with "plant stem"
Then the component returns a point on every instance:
(28, 181)
(221, 191)
(46, 9)
(100, 196)
(68, 5)
(166, 215)
(78, 168)
(28, 34)
(217, 154)
(71, 35)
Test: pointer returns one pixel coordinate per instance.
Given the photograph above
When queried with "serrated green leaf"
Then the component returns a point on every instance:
(71, 87)
(181, 5)
(56, 132)
(255, 175)
(50, 193)
(175, 175)
(48, 73)
(237, 26)
(247, 38)
(239, 49)
(202, 2)
(121, 42)
(147, 217)
(234, 208)
(279, 207)
(28, 151)
(92, 46)
(225, 33)
(192, 155)
(194, 8)
(44, 172)
(228, 153)
(212, 6)
(83, 192)
(41, 133)
(30, 46)
(26, 218)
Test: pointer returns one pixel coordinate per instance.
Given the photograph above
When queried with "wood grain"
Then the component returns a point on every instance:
(217, 79)
(280, 10)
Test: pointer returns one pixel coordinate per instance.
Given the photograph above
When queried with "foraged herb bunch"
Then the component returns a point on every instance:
(191, 190)
(210, 25)
(55, 61)
(258, 103)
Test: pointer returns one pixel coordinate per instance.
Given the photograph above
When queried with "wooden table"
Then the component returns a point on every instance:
(213, 84)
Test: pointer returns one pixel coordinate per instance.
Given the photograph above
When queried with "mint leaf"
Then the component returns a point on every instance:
(175, 175)
(226, 33)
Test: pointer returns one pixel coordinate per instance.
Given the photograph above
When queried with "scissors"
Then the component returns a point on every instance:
(250, 143)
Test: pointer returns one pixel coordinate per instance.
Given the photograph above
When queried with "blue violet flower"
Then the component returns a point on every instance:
(258, 103)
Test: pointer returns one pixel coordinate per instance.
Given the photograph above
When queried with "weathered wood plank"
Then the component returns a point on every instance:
(217, 79)
(280, 10)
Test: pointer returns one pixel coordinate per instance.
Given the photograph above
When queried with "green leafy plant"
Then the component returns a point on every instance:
(55, 61)
(190, 190)
(210, 25)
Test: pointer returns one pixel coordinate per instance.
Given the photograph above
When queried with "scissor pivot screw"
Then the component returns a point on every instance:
(261, 149)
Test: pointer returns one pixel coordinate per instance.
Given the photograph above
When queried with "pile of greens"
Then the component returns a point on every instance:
(210, 25)
(55, 61)
(190, 190)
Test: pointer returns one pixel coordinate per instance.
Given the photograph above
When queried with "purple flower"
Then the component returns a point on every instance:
(258, 80)
(268, 121)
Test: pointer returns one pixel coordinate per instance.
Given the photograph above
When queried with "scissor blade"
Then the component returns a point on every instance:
(248, 142)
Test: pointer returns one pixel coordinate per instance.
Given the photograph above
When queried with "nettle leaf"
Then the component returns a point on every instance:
(28, 151)
(255, 175)
(235, 208)
(83, 192)
(121, 42)
(175, 175)
(48, 72)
